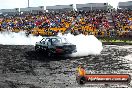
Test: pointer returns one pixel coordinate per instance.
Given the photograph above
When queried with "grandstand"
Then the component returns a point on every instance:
(60, 8)
(33, 10)
(100, 21)
(125, 5)
(9, 11)
(92, 6)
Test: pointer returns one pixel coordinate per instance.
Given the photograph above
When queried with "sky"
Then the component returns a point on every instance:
(10, 4)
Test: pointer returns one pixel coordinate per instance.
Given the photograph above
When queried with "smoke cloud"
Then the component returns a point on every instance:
(86, 45)
(11, 38)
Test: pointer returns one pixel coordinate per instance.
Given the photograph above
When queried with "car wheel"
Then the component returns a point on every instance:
(36, 48)
(50, 53)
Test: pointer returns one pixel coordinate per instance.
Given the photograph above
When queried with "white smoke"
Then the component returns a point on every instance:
(12, 38)
(86, 45)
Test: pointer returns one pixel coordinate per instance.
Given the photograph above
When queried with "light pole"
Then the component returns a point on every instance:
(28, 3)
(91, 6)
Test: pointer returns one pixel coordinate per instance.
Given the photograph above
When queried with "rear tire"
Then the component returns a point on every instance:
(36, 49)
(50, 53)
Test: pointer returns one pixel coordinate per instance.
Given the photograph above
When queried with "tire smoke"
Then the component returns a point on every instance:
(86, 45)
(12, 38)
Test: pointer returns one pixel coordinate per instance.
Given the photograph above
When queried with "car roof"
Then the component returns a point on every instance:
(52, 37)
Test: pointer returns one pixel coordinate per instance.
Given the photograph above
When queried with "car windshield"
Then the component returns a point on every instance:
(64, 40)
(59, 40)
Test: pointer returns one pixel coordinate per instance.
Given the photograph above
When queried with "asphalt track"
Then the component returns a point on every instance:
(21, 67)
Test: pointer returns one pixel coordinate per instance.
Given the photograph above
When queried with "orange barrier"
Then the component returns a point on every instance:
(15, 30)
(131, 27)
(130, 19)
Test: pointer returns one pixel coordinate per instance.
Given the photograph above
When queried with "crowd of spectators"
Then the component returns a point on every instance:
(122, 20)
(87, 22)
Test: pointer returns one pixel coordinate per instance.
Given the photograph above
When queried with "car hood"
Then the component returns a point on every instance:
(63, 44)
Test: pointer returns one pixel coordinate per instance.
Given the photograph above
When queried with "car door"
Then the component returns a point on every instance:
(49, 44)
(43, 44)
(54, 42)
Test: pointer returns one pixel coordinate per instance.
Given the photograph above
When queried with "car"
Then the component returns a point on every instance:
(55, 45)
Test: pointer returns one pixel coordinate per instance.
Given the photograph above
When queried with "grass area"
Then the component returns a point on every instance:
(116, 40)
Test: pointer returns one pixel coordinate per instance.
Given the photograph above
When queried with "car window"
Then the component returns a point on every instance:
(56, 41)
(64, 40)
(47, 41)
